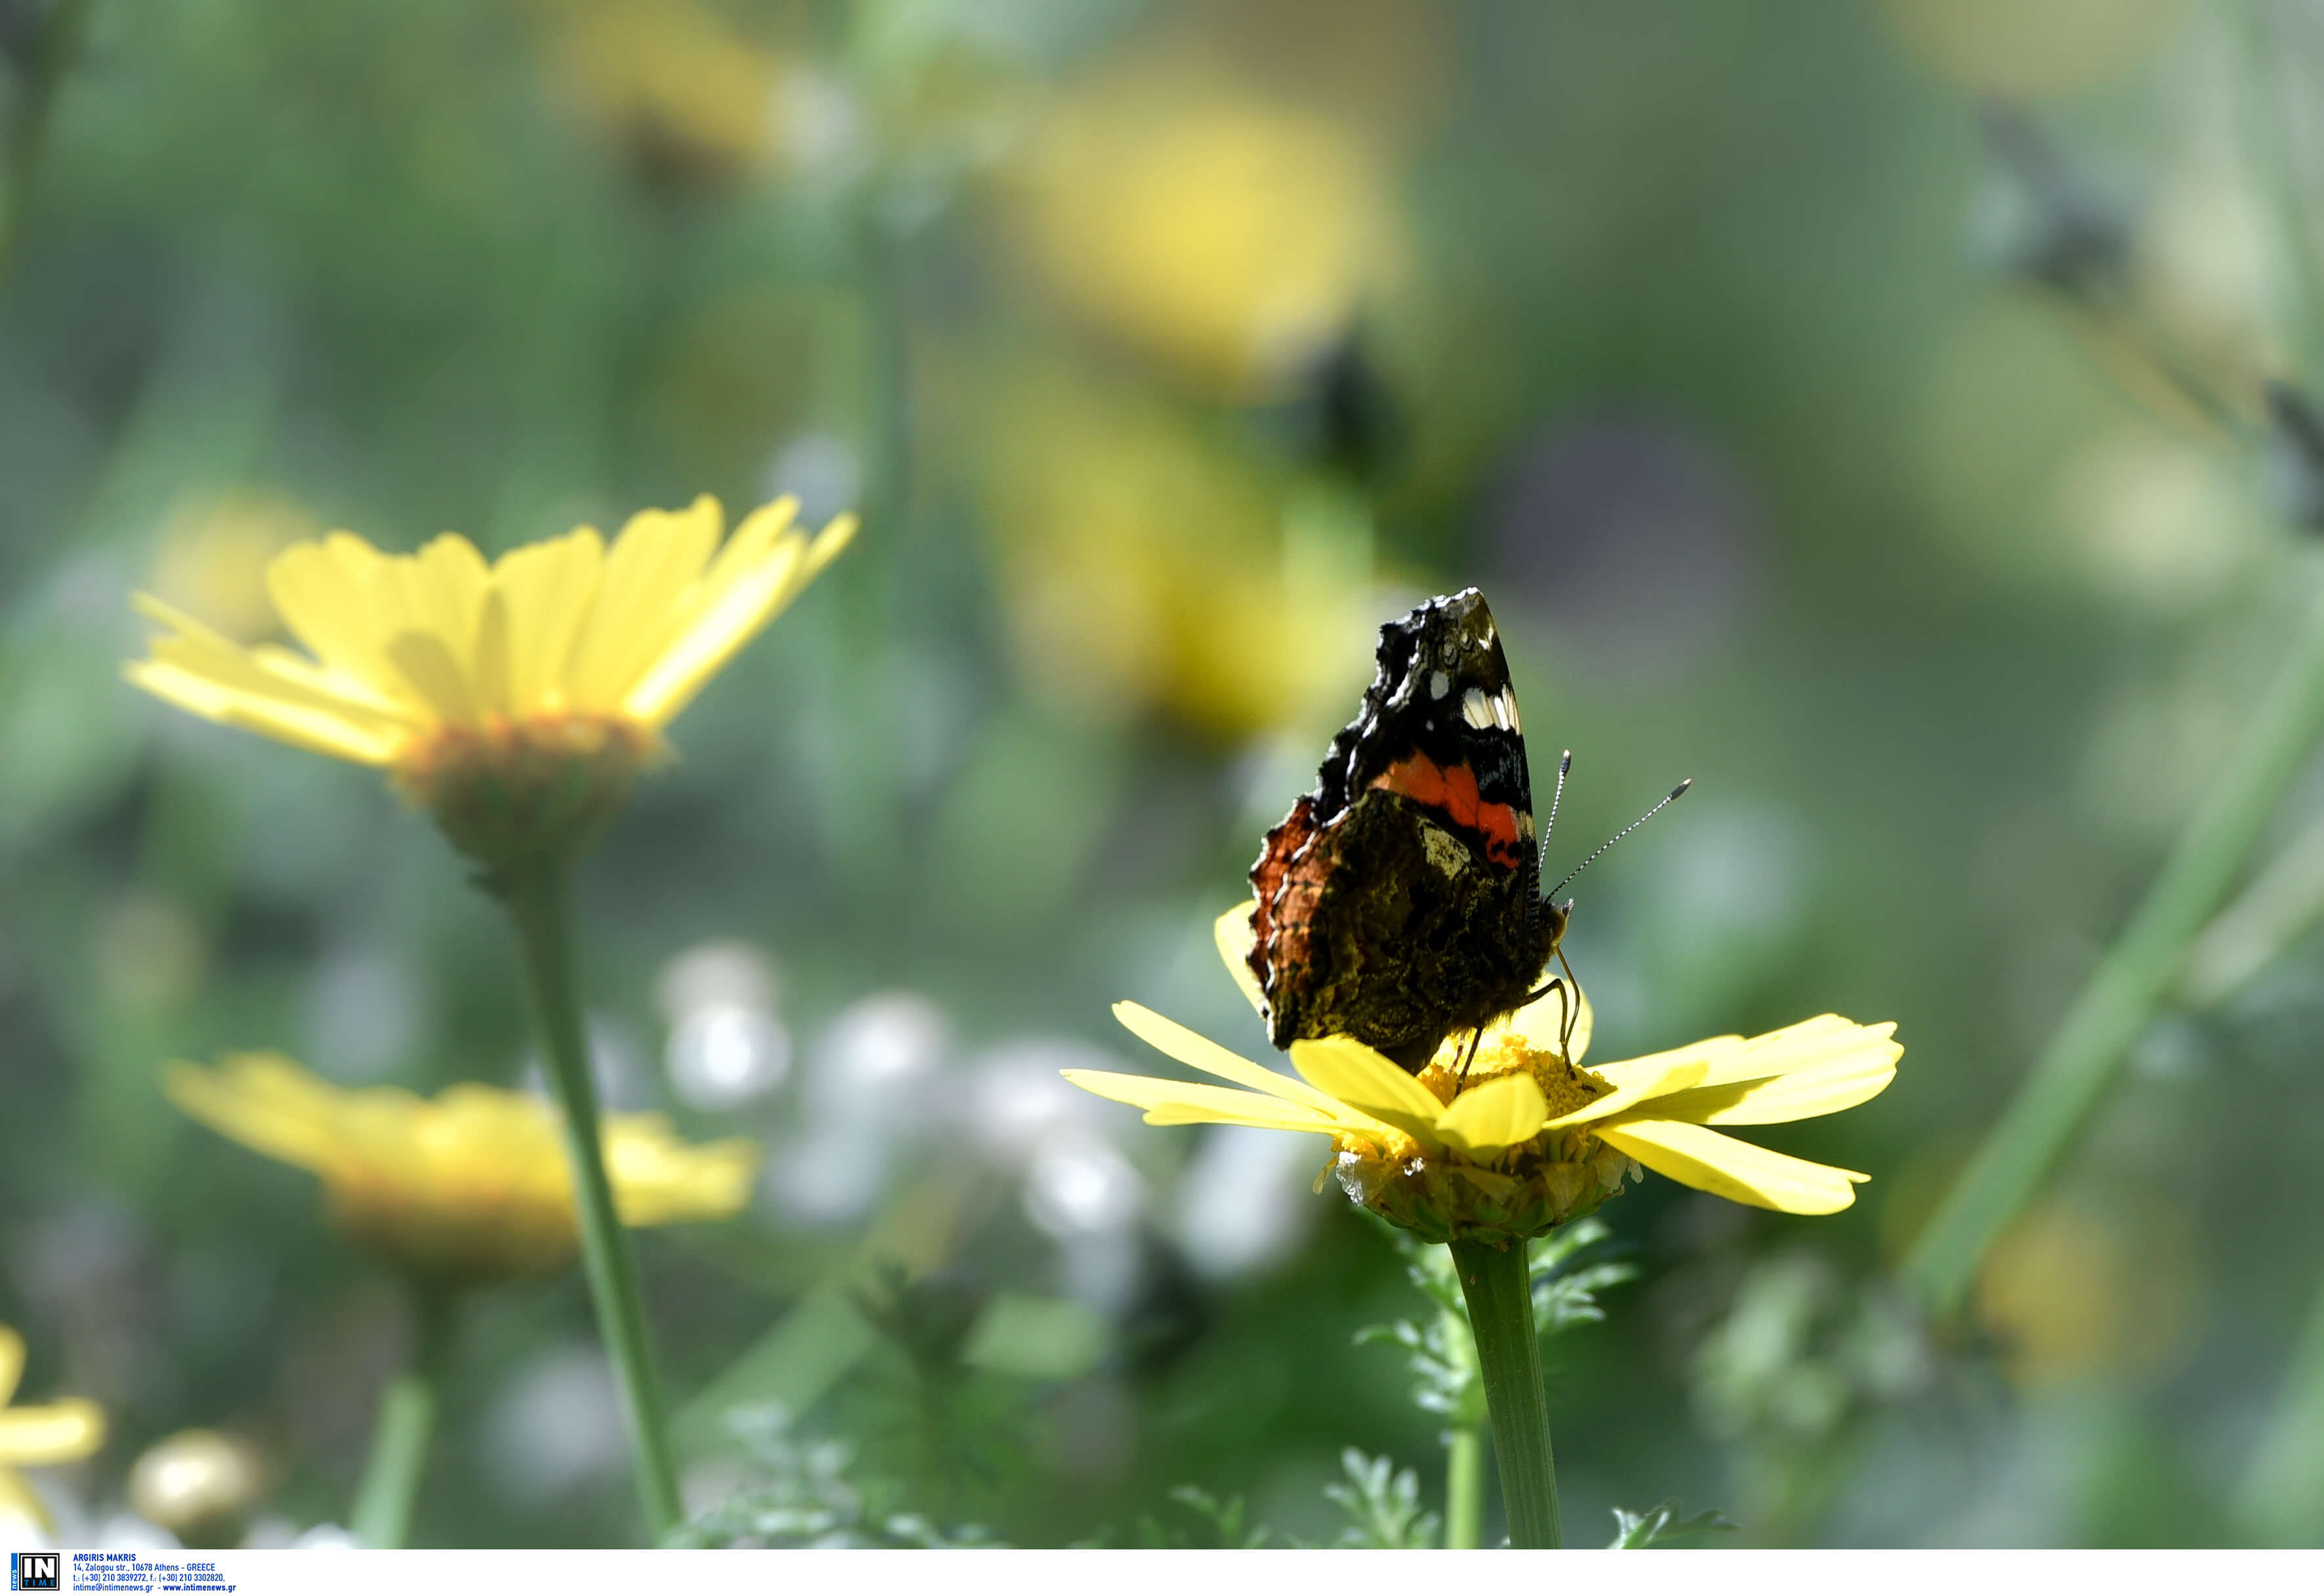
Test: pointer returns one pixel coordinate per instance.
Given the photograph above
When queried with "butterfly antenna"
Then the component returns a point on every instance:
(1565, 764)
(1675, 794)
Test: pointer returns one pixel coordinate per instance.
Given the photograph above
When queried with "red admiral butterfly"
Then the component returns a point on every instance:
(1399, 902)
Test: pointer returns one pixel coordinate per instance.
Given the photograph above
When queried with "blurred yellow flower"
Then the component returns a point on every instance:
(2071, 1294)
(516, 700)
(674, 82)
(1526, 1139)
(1226, 230)
(60, 1432)
(1147, 568)
(470, 1187)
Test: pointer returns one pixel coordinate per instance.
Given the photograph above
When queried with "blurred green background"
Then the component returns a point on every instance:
(1743, 355)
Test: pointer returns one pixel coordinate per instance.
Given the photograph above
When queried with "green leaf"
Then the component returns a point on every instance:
(1660, 1526)
(1382, 1503)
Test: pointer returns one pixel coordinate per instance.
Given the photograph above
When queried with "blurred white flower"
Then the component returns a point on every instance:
(875, 1061)
(557, 1427)
(821, 470)
(1017, 1100)
(1245, 1199)
(1078, 1185)
(325, 1537)
(126, 1532)
(715, 974)
(873, 1086)
(727, 1045)
(725, 1056)
(274, 1532)
(831, 1178)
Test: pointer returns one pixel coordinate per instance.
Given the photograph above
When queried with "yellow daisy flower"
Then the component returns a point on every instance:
(1526, 1140)
(59, 1432)
(515, 700)
(471, 1186)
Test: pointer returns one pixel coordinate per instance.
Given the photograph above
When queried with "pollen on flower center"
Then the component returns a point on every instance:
(511, 789)
(1566, 1086)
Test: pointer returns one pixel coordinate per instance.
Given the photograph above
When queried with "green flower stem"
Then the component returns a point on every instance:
(2136, 974)
(2283, 902)
(1464, 1488)
(2280, 1499)
(535, 894)
(1508, 1359)
(399, 1436)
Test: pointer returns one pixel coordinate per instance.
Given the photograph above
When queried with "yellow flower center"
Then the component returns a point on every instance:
(1558, 1176)
(1566, 1086)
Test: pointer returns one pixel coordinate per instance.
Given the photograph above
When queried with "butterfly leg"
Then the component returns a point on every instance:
(1539, 993)
(1469, 1058)
(1567, 1011)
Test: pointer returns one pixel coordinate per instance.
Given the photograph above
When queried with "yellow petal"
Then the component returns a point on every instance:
(829, 544)
(266, 1103)
(648, 572)
(1185, 1102)
(326, 594)
(426, 665)
(443, 589)
(1342, 1067)
(203, 650)
(658, 1179)
(752, 541)
(1236, 936)
(745, 594)
(1487, 1120)
(1709, 1053)
(298, 671)
(1854, 1069)
(549, 588)
(491, 677)
(316, 730)
(1796, 1047)
(266, 671)
(1675, 1073)
(1190, 1048)
(1736, 1170)
(1803, 1046)
(52, 1432)
(12, 1361)
(667, 684)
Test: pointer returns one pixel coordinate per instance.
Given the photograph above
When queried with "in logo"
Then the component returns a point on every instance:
(34, 1571)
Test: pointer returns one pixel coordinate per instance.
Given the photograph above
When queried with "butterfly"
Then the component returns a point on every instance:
(1400, 903)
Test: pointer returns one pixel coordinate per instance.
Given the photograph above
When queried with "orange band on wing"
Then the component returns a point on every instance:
(1454, 794)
